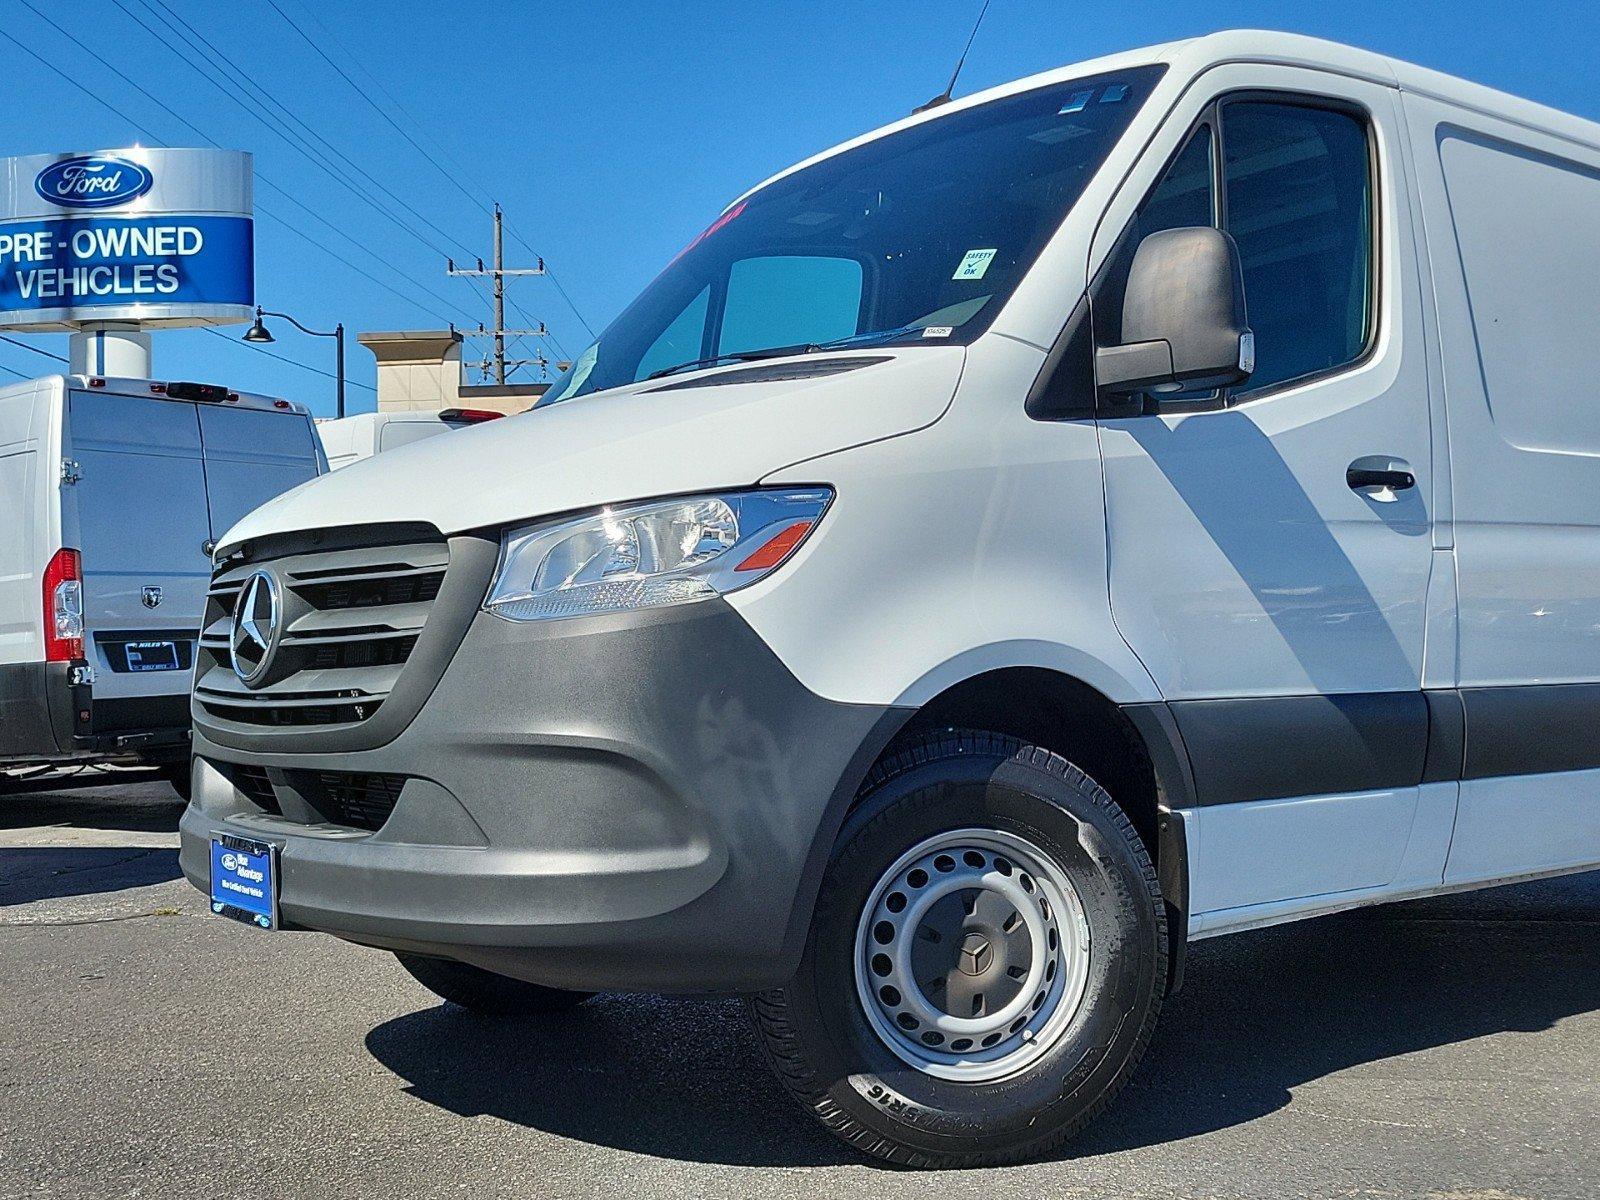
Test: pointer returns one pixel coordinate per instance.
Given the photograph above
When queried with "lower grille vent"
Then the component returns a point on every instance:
(361, 799)
(256, 786)
(354, 799)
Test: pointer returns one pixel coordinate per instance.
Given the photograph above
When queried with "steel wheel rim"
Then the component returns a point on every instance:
(971, 955)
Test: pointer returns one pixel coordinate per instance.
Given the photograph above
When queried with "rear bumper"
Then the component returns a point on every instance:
(41, 719)
(635, 802)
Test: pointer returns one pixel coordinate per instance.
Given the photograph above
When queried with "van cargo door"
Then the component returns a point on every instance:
(252, 455)
(140, 506)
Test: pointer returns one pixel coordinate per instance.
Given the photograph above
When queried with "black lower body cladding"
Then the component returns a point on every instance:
(642, 801)
(45, 717)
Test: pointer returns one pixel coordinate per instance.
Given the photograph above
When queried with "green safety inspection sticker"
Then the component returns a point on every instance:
(974, 264)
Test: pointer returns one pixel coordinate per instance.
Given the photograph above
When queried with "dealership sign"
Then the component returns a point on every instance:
(153, 236)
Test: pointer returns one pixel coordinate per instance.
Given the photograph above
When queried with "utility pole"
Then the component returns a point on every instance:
(499, 297)
(499, 272)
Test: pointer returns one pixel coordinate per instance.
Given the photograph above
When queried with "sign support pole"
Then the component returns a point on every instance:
(115, 348)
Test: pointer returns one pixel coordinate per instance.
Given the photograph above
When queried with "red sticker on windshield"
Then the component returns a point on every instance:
(712, 228)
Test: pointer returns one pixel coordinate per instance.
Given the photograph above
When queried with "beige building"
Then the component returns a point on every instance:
(420, 371)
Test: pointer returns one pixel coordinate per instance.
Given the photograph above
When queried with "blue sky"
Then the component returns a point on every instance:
(611, 133)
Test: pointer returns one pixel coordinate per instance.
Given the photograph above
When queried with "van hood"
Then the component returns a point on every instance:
(702, 432)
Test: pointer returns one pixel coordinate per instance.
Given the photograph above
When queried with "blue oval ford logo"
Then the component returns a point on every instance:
(92, 181)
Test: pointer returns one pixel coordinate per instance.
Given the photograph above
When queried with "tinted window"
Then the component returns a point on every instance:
(680, 341)
(789, 300)
(1298, 185)
(1185, 196)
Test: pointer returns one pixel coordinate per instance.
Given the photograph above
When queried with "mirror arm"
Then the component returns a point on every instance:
(1133, 367)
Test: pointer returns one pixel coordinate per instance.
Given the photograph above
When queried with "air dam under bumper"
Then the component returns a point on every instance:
(635, 802)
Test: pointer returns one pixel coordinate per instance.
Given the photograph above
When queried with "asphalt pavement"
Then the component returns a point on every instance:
(1446, 1049)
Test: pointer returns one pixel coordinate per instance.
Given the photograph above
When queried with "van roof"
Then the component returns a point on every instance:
(1188, 58)
(385, 416)
(117, 385)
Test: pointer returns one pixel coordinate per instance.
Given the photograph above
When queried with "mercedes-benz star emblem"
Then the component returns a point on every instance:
(255, 627)
(976, 954)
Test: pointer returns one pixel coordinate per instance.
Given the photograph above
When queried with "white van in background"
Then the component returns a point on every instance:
(350, 439)
(1147, 501)
(111, 493)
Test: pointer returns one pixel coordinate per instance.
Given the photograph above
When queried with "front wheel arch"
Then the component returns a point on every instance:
(1133, 751)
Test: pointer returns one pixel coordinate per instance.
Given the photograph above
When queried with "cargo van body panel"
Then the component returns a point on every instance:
(141, 527)
(132, 480)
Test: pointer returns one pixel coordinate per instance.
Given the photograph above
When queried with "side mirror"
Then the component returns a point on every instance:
(1183, 317)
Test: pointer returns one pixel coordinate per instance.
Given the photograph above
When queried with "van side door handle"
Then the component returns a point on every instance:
(1359, 477)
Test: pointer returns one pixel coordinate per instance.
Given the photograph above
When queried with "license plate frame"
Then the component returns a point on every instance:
(163, 652)
(244, 880)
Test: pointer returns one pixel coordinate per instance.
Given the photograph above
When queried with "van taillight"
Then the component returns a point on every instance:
(63, 607)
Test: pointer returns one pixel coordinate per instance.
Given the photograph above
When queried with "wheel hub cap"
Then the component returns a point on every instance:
(972, 955)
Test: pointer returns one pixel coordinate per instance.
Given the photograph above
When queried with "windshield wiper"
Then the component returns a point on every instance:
(734, 356)
(855, 339)
(864, 339)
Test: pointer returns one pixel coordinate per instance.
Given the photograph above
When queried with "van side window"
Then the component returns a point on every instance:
(1186, 195)
(1296, 195)
(1298, 186)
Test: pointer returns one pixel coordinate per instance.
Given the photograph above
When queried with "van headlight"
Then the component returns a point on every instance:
(650, 554)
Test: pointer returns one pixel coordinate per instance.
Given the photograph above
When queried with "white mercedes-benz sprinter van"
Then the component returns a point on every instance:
(1145, 501)
(111, 493)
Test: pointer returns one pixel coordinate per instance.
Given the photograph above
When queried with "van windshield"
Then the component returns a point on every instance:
(917, 236)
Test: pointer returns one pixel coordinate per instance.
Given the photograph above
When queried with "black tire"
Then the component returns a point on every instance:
(484, 992)
(180, 776)
(816, 1032)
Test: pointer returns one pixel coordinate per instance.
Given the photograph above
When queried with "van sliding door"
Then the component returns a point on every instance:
(1510, 214)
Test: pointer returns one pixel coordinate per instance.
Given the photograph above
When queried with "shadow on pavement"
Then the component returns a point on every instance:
(675, 1078)
(149, 808)
(29, 873)
(1261, 1014)
(85, 852)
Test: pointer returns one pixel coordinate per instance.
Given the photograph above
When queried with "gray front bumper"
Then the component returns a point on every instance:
(634, 802)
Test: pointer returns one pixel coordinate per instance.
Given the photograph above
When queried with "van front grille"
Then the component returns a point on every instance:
(349, 618)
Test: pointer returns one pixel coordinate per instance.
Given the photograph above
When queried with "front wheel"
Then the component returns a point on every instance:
(178, 775)
(484, 992)
(986, 963)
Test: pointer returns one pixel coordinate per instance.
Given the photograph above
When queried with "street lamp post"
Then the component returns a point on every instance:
(260, 333)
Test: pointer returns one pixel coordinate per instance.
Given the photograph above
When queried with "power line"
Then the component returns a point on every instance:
(551, 275)
(152, 136)
(377, 108)
(453, 177)
(214, 54)
(275, 125)
(14, 371)
(264, 179)
(34, 349)
(285, 359)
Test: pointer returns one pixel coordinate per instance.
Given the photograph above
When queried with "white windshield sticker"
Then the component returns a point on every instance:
(932, 331)
(974, 264)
